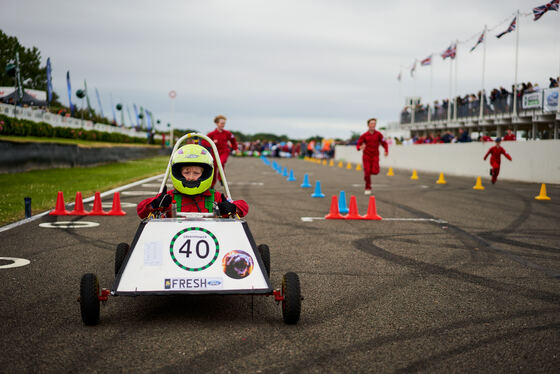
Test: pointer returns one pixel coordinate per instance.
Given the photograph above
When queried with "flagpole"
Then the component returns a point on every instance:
(482, 96)
(430, 103)
(450, 83)
(456, 88)
(516, 63)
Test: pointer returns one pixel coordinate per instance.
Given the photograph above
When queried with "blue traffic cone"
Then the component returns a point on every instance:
(291, 178)
(342, 208)
(318, 192)
(279, 169)
(285, 173)
(305, 183)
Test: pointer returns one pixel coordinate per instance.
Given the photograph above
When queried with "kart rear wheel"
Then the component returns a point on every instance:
(89, 299)
(120, 254)
(264, 251)
(291, 305)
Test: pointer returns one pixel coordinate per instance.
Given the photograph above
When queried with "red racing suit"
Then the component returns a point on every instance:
(496, 153)
(191, 203)
(221, 139)
(370, 157)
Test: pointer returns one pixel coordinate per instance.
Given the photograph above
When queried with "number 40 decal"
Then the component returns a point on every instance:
(194, 249)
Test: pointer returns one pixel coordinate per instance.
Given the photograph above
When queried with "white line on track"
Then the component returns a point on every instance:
(311, 219)
(68, 225)
(16, 262)
(89, 199)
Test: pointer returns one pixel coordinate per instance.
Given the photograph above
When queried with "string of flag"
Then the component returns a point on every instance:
(451, 51)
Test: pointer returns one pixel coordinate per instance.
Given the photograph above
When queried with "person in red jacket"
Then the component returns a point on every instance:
(192, 170)
(369, 143)
(223, 140)
(509, 136)
(496, 153)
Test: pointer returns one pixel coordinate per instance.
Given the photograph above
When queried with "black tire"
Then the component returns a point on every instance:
(89, 299)
(291, 305)
(264, 251)
(120, 255)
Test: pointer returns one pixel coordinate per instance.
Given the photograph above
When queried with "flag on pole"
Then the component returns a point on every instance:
(427, 61)
(539, 11)
(69, 92)
(113, 109)
(49, 80)
(99, 102)
(129, 116)
(136, 114)
(451, 51)
(87, 97)
(413, 68)
(480, 40)
(511, 27)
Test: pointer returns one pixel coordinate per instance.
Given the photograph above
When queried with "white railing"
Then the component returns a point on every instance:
(41, 115)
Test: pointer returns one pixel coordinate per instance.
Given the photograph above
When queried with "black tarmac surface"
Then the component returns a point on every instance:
(473, 286)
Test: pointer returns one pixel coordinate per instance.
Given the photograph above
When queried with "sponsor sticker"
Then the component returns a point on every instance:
(193, 283)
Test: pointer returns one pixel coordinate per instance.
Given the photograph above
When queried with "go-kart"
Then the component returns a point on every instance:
(191, 254)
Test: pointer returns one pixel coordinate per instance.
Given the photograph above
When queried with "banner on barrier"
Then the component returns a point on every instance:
(550, 99)
(532, 100)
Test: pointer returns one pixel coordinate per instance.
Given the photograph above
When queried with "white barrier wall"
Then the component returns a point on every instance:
(533, 161)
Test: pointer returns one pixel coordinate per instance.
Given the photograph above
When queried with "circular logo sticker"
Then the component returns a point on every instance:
(237, 264)
(194, 249)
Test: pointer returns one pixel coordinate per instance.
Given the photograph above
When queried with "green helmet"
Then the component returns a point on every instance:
(192, 155)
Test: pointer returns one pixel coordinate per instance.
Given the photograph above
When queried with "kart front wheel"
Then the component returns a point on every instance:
(291, 303)
(264, 251)
(89, 299)
(120, 254)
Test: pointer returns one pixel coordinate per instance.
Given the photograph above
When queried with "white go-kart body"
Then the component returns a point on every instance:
(191, 253)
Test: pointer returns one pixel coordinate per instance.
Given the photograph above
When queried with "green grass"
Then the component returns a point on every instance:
(43, 185)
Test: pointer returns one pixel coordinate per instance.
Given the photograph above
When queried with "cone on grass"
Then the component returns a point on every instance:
(542, 194)
(116, 210)
(372, 210)
(353, 211)
(291, 178)
(78, 206)
(478, 185)
(358, 167)
(97, 208)
(390, 173)
(441, 179)
(334, 213)
(414, 175)
(349, 166)
(317, 192)
(305, 183)
(59, 210)
(331, 162)
(342, 208)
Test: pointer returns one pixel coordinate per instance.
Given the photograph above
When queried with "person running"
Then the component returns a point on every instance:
(496, 153)
(369, 143)
(223, 140)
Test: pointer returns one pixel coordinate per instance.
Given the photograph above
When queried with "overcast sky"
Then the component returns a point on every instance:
(299, 68)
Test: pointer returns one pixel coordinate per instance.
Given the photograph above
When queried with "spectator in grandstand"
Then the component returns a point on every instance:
(223, 140)
(464, 136)
(369, 143)
(447, 137)
(509, 135)
(496, 153)
(553, 82)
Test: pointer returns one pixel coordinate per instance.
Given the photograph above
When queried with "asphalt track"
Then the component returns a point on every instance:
(475, 287)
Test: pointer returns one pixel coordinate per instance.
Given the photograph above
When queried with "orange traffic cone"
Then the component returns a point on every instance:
(60, 210)
(116, 209)
(78, 206)
(97, 208)
(333, 213)
(390, 173)
(358, 167)
(340, 164)
(441, 179)
(414, 175)
(372, 210)
(353, 210)
(542, 194)
(331, 162)
(349, 166)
